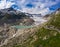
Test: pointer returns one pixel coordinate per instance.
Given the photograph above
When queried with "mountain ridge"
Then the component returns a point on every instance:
(11, 15)
(44, 35)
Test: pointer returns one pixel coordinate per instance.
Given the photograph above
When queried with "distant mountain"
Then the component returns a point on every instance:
(34, 15)
(57, 11)
(12, 12)
(11, 15)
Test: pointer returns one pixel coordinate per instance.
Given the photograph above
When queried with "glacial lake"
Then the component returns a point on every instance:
(22, 27)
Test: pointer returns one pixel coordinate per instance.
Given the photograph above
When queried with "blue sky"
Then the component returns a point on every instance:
(31, 6)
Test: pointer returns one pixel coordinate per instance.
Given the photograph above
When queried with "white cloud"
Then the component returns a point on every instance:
(36, 11)
(4, 4)
(41, 6)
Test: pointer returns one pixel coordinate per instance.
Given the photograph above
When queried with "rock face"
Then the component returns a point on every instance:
(11, 34)
(12, 16)
(9, 17)
(6, 33)
(26, 21)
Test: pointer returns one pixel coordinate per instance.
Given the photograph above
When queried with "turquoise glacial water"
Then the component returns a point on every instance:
(22, 27)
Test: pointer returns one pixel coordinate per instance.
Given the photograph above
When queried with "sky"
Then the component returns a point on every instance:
(31, 6)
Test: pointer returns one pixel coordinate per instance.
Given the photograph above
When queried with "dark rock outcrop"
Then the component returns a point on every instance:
(12, 16)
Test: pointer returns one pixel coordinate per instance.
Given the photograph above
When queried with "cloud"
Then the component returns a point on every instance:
(38, 6)
(30, 6)
(4, 4)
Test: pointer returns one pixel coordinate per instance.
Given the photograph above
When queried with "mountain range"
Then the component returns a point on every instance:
(46, 34)
(12, 16)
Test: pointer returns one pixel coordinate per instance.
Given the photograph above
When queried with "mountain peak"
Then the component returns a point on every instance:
(58, 9)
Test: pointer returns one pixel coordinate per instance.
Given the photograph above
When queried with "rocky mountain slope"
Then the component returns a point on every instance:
(45, 35)
(12, 16)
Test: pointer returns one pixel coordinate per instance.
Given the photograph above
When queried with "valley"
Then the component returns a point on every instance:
(29, 31)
